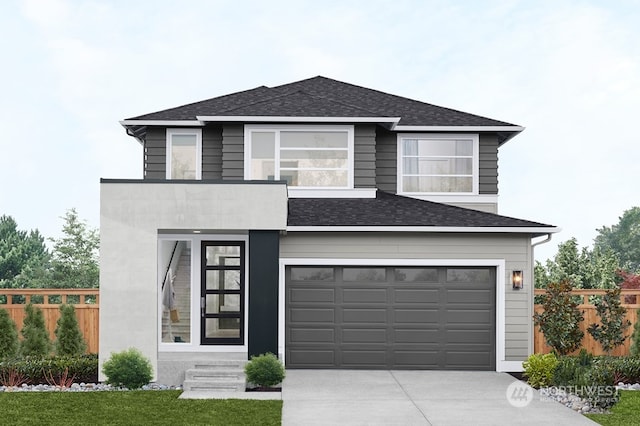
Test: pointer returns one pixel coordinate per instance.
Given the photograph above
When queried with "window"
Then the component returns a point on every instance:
(184, 153)
(304, 156)
(437, 164)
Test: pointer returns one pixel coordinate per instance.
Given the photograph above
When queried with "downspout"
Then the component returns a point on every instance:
(546, 240)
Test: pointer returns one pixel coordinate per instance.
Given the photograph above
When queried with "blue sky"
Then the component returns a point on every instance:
(569, 71)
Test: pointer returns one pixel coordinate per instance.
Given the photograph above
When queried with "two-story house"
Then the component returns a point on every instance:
(334, 225)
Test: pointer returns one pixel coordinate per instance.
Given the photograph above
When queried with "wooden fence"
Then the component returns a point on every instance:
(85, 301)
(590, 317)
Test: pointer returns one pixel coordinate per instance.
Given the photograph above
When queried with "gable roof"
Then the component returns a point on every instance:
(322, 97)
(396, 211)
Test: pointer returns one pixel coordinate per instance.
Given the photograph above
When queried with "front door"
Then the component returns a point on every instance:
(222, 293)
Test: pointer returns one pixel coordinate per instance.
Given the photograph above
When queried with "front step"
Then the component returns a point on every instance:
(216, 376)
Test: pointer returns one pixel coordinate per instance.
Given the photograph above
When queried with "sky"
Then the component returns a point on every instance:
(568, 71)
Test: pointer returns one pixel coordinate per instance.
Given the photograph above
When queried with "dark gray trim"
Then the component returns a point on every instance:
(264, 249)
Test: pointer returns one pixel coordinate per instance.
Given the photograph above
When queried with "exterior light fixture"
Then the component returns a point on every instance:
(516, 280)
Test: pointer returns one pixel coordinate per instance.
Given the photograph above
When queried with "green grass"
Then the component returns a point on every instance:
(625, 413)
(132, 407)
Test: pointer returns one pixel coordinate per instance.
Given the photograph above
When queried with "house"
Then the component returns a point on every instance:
(334, 225)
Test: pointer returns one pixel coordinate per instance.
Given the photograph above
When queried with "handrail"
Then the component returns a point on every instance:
(164, 280)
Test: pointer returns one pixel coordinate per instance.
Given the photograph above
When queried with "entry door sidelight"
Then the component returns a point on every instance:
(222, 293)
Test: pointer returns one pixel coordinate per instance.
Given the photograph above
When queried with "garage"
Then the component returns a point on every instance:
(386, 317)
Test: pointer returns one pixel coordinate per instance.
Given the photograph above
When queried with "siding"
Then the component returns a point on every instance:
(155, 153)
(364, 151)
(387, 157)
(212, 152)
(386, 160)
(233, 152)
(514, 249)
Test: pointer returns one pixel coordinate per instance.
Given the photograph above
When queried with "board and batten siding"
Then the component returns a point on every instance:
(155, 153)
(387, 162)
(514, 249)
(232, 152)
(364, 153)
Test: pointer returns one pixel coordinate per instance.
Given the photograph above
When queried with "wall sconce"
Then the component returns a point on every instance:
(516, 280)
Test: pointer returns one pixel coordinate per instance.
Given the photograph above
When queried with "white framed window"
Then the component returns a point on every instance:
(442, 164)
(306, 157)
(184, 153)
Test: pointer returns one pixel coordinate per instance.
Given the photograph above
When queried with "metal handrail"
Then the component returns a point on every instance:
(164, 280)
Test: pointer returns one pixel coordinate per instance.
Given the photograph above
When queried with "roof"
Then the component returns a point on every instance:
(321, 97)
(389, 210)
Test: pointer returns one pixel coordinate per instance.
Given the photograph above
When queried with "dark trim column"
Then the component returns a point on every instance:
(264, 253)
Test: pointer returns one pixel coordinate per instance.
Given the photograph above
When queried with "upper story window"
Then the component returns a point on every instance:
(303, 156)
(184, 153)
(437, 164)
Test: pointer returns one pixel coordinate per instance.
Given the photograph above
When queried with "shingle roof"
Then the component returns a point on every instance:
(394, 210)
(321, 96)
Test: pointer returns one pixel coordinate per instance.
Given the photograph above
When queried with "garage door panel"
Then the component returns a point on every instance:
(469, 317)
(416, 335)
(314, 335)
(311, 295)
(416, 316)
(417, 359)
(467, 359)
(361, 315)
(311, 357)
(364, 295)
(312, 315)
(364, 358)
(414, 295)
(469, 336)
(470, 296)
(364, 335)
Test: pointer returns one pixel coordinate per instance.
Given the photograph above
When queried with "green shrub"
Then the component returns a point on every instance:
(611, 332)
(572, 371)
(538, 369)
(36, 370)
(69, 339)
(560, 320)
(625, 369)
(264, 370)
(9, 343)
(635, 337)
(35, 337)
(128, 368)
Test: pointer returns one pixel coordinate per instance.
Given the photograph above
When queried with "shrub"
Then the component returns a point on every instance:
(34, 332)
(635, 337)
(538, 369)
(560, 321)
(128, 368)
(69, 339)
(8, 336)
(572, 370)
(264, 370)
(610, 333)
(37, 370)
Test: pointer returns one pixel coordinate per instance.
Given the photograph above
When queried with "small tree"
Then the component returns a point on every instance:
(34, 333)
(560, 320)
(69, 339)
(8, 336)
(610, 333)
(635, 337)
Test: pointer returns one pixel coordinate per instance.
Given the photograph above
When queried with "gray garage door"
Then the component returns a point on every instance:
(390, 317)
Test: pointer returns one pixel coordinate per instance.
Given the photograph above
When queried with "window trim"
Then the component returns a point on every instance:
(184, 131)
(475, 185)
(277, 129)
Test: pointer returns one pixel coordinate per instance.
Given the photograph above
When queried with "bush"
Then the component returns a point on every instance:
(610, 333)
(69, 339)
(128, 368)
(538, 369)
(34, 333)
(37, 370)
(635, 337)
(9, 343)
(572, 371)
(264, 370)
(560, 320)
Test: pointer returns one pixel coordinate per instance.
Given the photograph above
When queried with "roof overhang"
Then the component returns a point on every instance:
(433, 229)
(290, 119)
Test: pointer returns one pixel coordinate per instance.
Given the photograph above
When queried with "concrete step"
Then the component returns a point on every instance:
(214, 374)
(214, 386)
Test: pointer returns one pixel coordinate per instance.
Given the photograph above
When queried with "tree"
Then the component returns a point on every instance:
(75, 254)
(623, 239)
(24, 258)
(560, 320)
(610, 333)
(69, 339)
(635, 337)
(35, 337)
(8, 336)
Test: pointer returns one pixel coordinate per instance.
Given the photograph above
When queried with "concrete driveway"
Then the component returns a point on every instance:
(364, 397)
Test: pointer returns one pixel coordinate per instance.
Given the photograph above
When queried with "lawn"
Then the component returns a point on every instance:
(625, 413)
(132, 407)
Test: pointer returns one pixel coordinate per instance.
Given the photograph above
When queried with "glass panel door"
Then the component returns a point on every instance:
(222, 293)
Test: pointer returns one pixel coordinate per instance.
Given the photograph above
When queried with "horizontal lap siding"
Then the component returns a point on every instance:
(155, 153)
(233, 152)
(514, 249)
(386, 160)
(488, 172)
(212, 152)
(364, 150)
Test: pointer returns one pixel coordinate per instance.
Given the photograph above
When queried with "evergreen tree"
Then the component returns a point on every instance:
(611, 332)
(35, 337)
(24, 258)
(8, 336)
(69, 339)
